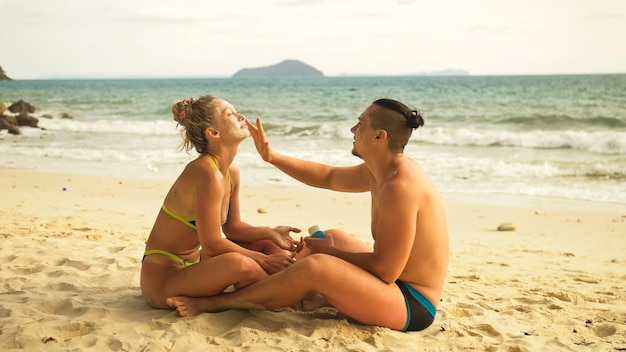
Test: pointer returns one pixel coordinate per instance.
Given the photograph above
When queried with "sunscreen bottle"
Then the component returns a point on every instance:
(315, 232)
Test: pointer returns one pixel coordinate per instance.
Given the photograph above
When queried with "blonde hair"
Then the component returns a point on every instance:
(195, 116)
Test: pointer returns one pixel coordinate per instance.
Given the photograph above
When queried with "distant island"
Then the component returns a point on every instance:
(3, 76)
(287, 68)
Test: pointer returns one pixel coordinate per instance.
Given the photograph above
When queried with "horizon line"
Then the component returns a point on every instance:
(87, 77)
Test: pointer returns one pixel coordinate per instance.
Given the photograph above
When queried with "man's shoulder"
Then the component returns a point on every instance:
(409, 171)
(413, 181)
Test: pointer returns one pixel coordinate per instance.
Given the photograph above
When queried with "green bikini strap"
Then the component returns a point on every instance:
(227, 172)
(173, 256)
(178, 217)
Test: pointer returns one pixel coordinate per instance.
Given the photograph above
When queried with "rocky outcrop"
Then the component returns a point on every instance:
(21, 117)
(285, 69)
(22, 107)
(19, 114)
(5, 124)
(3, 76)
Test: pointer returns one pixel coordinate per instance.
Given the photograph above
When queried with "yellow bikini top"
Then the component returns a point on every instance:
(191, 222)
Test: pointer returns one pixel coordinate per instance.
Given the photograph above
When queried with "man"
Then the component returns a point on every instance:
(396, 284)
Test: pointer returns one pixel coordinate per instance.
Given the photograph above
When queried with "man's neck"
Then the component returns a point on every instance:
(384, 166)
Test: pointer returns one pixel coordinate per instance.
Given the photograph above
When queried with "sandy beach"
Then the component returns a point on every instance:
(72, 246)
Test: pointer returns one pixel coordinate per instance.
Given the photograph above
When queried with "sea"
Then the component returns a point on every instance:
(560, 136)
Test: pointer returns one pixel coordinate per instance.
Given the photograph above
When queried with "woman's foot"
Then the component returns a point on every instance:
(314, 301)
(190, 306)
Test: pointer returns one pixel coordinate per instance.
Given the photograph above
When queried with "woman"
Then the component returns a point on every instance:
(186, 253)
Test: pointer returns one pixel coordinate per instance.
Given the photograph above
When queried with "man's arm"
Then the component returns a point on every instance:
(393, 237)
(344, 179)
(397, 209)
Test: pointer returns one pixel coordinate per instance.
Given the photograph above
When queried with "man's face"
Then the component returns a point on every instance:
(362, 131)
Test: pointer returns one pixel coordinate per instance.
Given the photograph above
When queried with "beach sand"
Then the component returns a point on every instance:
(72, 246)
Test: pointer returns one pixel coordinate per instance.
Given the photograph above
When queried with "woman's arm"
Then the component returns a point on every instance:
(208, 196)
(237, 230)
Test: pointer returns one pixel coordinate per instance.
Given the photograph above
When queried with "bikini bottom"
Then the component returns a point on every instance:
(170, 255)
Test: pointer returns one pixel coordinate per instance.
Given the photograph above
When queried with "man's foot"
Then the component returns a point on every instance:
(189, 306)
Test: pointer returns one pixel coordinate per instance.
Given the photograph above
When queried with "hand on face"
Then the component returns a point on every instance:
(260, 141)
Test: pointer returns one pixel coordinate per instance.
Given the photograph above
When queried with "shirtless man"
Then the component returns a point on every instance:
(396, 284)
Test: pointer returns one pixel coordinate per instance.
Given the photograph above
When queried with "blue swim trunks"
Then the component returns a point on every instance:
(421, 313)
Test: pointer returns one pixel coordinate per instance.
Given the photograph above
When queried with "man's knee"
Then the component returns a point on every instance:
(315, 264)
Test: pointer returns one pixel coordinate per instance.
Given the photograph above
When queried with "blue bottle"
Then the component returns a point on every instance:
(315, 232)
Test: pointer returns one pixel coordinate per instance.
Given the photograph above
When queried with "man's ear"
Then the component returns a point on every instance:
(381, 135)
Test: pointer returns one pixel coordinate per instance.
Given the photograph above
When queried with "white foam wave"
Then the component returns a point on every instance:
(606, 142)
(158, 127)
(603, 142)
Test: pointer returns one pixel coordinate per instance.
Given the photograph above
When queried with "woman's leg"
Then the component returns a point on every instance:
(209, 277)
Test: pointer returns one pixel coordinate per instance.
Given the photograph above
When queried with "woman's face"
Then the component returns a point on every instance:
(229, 121)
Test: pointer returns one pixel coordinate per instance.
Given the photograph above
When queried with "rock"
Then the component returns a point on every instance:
(27, 120)
(3, 76)
(11, 120)
(5, 124)
(3, 108)
(21, 107)
(507, 226)
(21, 117)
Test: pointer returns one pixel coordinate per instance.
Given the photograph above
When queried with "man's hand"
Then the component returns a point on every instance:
(260, 141)
(320, 245)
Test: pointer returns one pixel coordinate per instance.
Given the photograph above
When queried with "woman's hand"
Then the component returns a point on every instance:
(281, 235)
(260, 141)
(273, 263)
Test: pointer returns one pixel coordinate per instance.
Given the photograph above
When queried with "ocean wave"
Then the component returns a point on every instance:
(461, 167)
(159, 127)
(579, 175)
(558, 121)
(604, 142)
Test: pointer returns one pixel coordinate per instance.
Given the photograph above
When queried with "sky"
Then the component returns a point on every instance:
(210, 38)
